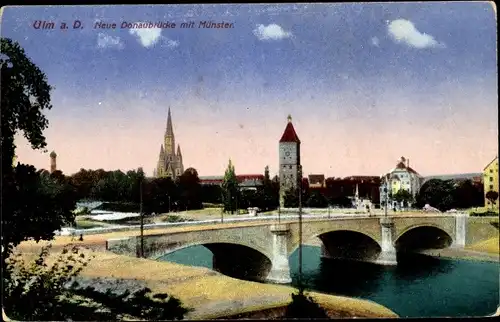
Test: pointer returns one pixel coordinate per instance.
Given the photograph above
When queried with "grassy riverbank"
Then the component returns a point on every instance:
(490, 246)
(210, 294)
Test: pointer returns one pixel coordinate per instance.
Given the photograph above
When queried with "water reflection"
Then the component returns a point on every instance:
(420, 286)
(415, 266)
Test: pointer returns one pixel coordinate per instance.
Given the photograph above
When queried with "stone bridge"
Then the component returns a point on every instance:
(261, 252)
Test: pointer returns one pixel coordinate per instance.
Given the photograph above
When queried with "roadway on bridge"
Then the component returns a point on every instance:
(98, 237)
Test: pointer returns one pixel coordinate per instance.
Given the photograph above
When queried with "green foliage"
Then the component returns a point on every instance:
(39, 292)
(268, 194)
(189, 190)
(139, 304)
(230, 191)
(291, 198)
(212, 205)
(175, 218)
(492, 196)
(211, 195)
(121, 191)
(403, 196)
(35, 204)
(304, 307)
(448, 194)
(488, 213)
(25, 94)
(317, 200)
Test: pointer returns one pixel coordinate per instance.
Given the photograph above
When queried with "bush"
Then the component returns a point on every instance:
(212, 205)
(487, 213)
(174, 218)
(39, 292)
(305, 307)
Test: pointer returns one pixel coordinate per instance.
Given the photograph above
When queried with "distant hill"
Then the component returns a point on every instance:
(454, 176)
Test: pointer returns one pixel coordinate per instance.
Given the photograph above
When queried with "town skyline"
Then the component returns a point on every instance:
(364, 83)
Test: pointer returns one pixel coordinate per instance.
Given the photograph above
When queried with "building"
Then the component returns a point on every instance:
(53, 162)
(402, 177)
(490, 181)
(169, 161)
(245, 181)
(289, 160)
(317, 181)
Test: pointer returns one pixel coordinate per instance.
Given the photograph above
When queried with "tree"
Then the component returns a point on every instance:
(230, 189)
(303, 306)
(35, 205)
(211, 193)
(437, 193)
(190, 189)
(466, 194)
(317, 200)
(291, 198)
(25, 94)
(268, 197)
(32, 206)
(492, 196)
(403, 197)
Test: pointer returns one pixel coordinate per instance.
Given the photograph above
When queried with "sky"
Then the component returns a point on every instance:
(365, 83)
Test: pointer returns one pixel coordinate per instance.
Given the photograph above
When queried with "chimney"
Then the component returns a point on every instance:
(407, 163)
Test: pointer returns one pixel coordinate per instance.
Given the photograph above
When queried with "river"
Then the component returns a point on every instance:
(420, 286)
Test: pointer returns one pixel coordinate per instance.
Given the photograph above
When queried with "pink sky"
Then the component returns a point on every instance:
(130, 137)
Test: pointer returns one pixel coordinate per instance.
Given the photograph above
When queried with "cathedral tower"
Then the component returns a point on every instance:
(169, 162)
(289, 163)
(53, 161)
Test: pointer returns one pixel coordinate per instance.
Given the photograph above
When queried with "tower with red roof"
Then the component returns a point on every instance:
(289, 162)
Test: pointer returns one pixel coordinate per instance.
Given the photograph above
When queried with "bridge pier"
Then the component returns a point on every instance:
(460, 231)
(388, 254)
(280, 267)
(324, 252)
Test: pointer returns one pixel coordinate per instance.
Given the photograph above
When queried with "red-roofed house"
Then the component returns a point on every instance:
(317, 181)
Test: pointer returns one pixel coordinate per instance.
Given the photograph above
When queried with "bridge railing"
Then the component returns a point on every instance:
(270, 218)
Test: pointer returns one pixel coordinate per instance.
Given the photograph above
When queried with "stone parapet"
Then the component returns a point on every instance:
(280, 228)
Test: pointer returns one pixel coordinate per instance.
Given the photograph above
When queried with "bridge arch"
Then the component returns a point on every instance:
(234, 259)
(423, 236)
(346, 244)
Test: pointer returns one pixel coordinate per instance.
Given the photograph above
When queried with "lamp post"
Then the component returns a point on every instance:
(142, 218)
(386, 190)
(222, 210)
(300, 228)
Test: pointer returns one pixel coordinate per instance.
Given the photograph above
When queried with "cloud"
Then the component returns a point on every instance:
(149, 37)
(107, 41)
(375, 41)
(271, 32)
(171, 43)
(404, 31)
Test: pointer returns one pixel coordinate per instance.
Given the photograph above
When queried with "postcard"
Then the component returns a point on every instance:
(263, 161)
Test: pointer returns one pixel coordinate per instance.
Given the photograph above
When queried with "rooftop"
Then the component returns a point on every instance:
(289, 135)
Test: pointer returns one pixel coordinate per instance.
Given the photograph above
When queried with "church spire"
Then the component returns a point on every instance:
(170, 130)
(179, 151)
